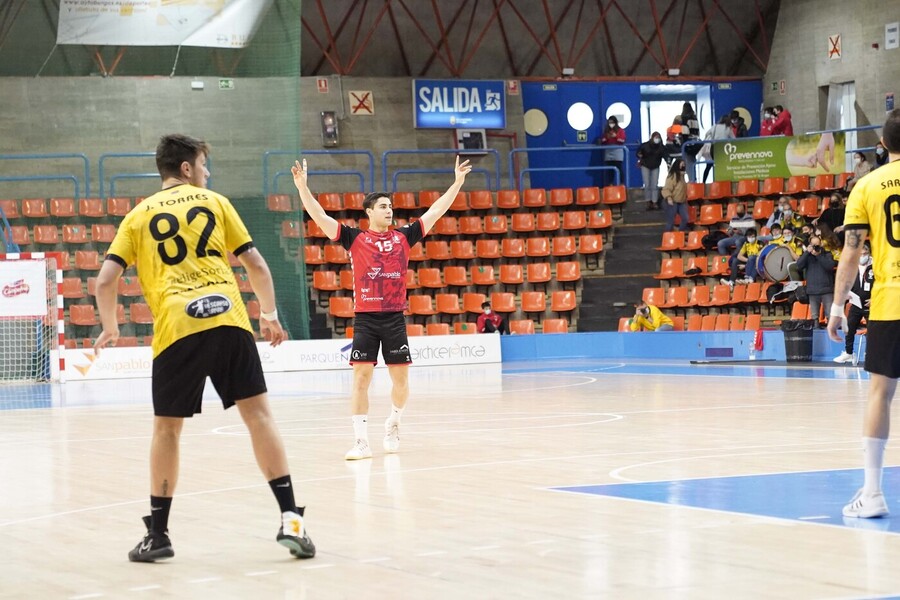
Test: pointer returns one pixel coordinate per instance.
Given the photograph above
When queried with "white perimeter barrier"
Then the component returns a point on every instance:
(306, 355)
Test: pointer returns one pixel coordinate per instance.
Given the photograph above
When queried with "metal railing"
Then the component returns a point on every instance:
(294, 155)
(86, 169)
(454, 151)
(581, 148)
(399, 172)
(129, 174)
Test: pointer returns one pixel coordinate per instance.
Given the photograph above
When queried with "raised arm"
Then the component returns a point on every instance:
(328, 225)
(442, 204)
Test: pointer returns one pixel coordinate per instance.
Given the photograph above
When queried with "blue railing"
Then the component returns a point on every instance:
(861, 128)
(131, 175)
(399, 172)
(114, 178)
(580, 148)
(6, 230)
(294, 154)
(86, 172)
(453, 151)
(75, 187)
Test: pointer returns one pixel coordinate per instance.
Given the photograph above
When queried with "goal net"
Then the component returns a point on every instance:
(31, 321)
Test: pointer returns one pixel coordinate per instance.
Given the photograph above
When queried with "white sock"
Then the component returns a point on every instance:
(873, 453)
(360, 427)
(395, 414)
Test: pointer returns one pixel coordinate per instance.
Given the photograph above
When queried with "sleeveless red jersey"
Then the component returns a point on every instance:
(380, 262)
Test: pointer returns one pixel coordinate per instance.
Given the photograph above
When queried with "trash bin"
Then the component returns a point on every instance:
(798, 339)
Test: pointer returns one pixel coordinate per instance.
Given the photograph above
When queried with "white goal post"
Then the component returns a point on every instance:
(31, 318)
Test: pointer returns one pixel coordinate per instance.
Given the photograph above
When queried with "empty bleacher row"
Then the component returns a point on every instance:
(538, 239)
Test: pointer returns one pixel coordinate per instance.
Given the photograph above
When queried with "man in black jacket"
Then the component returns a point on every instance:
(862, 288)
(818, 266)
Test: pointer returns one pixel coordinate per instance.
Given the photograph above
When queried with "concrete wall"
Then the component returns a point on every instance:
(800, 58)
(94, 116)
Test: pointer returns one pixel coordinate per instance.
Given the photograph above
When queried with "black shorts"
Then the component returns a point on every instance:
(227, 355)
(883, 348)
(388, 330)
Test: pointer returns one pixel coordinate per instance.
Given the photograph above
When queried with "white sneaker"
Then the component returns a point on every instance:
(391, 436)
(746, 281)
(866, 506)
(359, 451)
(727, 282)
(843, 357)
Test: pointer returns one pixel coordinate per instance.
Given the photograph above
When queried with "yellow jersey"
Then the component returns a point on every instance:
(178, 239)
(874, 205)
(652, 322)
(751, 249)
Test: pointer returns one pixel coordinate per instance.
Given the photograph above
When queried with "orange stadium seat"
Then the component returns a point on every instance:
(456, 276)
(600, 219)
(354, 201)
(508, 199)
(614, 194)
(483, 275)
(587, 196)
(74, 234)
(512, 248)
(430, 278)
(487, 249)
(719, 190)
(335, 254)
(537, 247)
(563, 246)
(655, 296)
(62, 207)
(481, 200)
(534, 302)
(290, 230)
(504, 302)
(140, 314)
(809, 207)
(696, 191)
(331, 202)
(83, 314)
(10, 209)
(523, 222)
(496, 225)
(773, 186)
(87, 260)
(446, 226)
(747, 187)
(555, 326)
(103, 232)
(512, 275)
(547, 221)
(534, 198)
(421, 305)
(428, 198)
(342, 306)
(694, 240)
(460, 328)
(414, 330)
(538, 272)
(130, 286)
(797, 184)
(313, 254)
(710, 214)
(279, 203)
(561, 197)
(46, 234)
(448, 304)
(404, 201)
(671, 268)
(35, 208)
(471, 226)
(437, 250)
(91, 207)
(460, 203)
(437, 329)
(417, 253)
(822, 183)
(462, 250)
(326, 281)
(671, 241)
(574, 220)
(590, 244)
(521, 326)
(763, 209)
(472, 302)
(118, 207)
(624, 324)
(568, 271)
(72, 288)
(562, 301)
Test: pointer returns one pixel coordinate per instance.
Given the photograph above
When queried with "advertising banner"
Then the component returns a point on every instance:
(304, 355)
(448, 104)
(779, 156)
(216, 24)
(23, 288)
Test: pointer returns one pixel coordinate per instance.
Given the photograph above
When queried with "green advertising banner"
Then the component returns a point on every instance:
(779, 156)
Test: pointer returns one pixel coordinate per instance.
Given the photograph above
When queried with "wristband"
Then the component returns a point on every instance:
(270, 316)
(837, 311)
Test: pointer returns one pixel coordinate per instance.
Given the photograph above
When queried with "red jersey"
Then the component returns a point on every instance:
(765, 128)
(379, 262)
(484, 318)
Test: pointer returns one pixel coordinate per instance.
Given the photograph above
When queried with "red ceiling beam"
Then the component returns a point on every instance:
(546, 41)
(759, 61)
(551, 26)
(658, 25)
(506, 44)
(332, 42)
(338, 68)
(498, 4)
(436, 49)
(600, 22)
(450, 27)
(637, 33)
(399, 39)
(665, 17)
(368, 39)
(542, 47)
(340, 30)
(699, 32)
(454, 70)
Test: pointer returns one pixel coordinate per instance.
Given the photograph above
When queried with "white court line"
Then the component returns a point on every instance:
(814, 517)
(144, 588)
(205, 580)
(260, 573)
(84, 596)
(317, 566)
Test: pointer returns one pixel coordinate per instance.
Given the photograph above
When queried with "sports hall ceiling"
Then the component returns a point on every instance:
(435, 38)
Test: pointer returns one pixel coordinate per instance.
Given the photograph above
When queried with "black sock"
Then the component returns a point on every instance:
(284, 493)
(159, 513)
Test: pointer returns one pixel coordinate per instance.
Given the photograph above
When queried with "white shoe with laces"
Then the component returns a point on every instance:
(843, 357)
(359, 451)
(391, 436)
(866, 506)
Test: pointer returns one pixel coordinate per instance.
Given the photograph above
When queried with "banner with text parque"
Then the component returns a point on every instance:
(779, 156)
(206, 23)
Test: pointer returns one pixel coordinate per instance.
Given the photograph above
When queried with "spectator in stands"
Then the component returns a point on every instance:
(689, 151)
(791, 241)
(613, 135)
(738, 126)
(747, 256)
(881, 155)
(861, 168)
(833, 216)
(830, 241)
(674, 192)
(806, 231)
(768, 121)
(650, 155)
(737, 231)
(817, 266)
(782, 211)
(720, 131)
(783, 237)
(491, 322)
(783, 124)
(859, 306)
(649, 318)
(674, 138)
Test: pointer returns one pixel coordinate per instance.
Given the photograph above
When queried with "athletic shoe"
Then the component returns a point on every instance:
(746, 281)
(843, 357)
(727, 282)
(359, 451)
(866, 506)
(391, 436)
(296, 540)
(155, 546)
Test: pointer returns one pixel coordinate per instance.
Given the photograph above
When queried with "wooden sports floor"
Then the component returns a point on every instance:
(679, 481)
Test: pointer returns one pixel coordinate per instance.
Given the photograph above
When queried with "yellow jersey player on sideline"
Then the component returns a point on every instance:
(179, 239)
(873, 210)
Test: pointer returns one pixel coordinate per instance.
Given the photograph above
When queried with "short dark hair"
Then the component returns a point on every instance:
(890, 134)
(176, 148)
(371, 198)
(751, 231)
(787, 227)
(485, 303)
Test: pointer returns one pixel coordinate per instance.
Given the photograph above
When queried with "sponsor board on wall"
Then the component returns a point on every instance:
(219, 24)
(779, 156)
(306, 355)
(450, 104)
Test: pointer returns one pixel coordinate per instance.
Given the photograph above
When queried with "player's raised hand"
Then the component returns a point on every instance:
(461, 169)
(300, 173)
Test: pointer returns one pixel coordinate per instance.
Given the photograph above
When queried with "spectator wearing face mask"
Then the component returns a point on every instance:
(747, 255)
(738, 126)
(783, 124)
(785, 215)
(674, 192)
(881, 155)
(861, 168)
(768, 120)
(833, 216)
(785, 238)
(737, 231)
(650, 155)
(649, 318)
(490, 322)
(817, 266)
(860, 297)
(613, 135)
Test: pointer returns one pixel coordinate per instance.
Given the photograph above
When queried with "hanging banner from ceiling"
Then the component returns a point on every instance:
(206, 23)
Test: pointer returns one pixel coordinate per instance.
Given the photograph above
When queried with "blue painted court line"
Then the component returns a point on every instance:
(809, 496)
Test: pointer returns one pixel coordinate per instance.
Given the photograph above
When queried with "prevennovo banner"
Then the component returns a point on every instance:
(304, 355)
(218, 24)
(779, 156)
(452, 104)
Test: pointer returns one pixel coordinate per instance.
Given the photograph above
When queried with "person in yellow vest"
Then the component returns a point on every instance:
(649, 318)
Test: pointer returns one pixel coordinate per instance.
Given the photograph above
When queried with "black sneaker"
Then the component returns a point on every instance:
(155, 546)
(296, 540)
